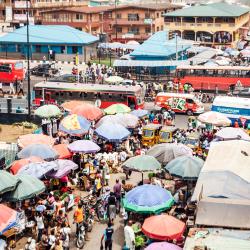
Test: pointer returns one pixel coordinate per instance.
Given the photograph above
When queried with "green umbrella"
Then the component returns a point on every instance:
(27, 188)
(8, 182)
(48, 111)
(117, 109)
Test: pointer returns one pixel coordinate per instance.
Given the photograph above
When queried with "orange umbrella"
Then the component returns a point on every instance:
(29, 139)
(16, 165)
(90, 112)
(163, 227)
(63, 151)
(71, 104)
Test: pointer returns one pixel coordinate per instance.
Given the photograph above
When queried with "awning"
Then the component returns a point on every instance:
(142, 63)
(203, 57)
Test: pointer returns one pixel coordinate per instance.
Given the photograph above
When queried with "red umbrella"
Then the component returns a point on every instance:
(17, 165)
(25, 140)
(71, 104)
(63, 151)
(88, 111)
(7, 218)
(163, 227)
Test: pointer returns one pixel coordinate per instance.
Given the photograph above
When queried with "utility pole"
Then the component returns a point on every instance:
(116, 20)
(176, 47)
(28, 58)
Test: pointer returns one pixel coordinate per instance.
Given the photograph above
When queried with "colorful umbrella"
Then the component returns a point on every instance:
(230, 133)
(16, 165)
(38, 169)
(112, 132)
(142, 163)
(74, 125)
(162, 246)
(117, 109)
(64, 167)
(148, 199)
(63, 151)
(8, 182)
(71, 104)
(48, 111)
(114, 79)
(163, 227)
(90, 112)
(40, 150)
(214, 118)
(8, 218)
(27, 188)
(83, 146)
(25, 140)
(139, 112)
(185, 167)
(166, 152)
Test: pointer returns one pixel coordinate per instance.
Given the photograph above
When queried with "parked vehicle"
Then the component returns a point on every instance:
(150, 134)
(245, 92)
(45, 70)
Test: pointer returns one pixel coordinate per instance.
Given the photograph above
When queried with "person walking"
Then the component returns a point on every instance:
(1, 88)
(20, 85)
(65, 232)
(111, 207)
(107, 236)
(129, 236)
(40, 226)
(117, 191)
(12, 89)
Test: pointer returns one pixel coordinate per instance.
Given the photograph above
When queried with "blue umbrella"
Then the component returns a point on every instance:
(74, 125)
(139, 112)
(148, 199)
(40, 150)
(112, 132)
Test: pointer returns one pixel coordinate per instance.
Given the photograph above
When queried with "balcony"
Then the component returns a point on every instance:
(128, 36)
(125, 21)
(46, 5)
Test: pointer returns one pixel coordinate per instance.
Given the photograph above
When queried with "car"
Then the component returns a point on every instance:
(245, 92)
(45, 70)
(64, 78)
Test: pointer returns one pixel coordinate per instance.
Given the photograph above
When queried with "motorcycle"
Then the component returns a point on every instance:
(80, 239)
(90, 220)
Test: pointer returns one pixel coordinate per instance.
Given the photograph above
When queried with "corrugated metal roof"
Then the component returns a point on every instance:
(49, 34)
(213, 10)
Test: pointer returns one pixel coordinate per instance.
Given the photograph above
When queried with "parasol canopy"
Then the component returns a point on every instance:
(214, 118)
(148, 199)
(186, 167)
(231, 133)
(63, 151)
(45, 152)
(8, 182)
(68, 106)
(48, 111)
(83, 146)
(114, 79)
(90, 112)
(162, 246)
(117, 109)
(139, 112)
(8, 218)
(166, 152)
(25, 140)
(163, 227)
(74, 125)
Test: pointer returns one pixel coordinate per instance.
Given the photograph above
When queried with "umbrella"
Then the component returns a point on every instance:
(214, 118)
(185, 167)
(48, 111)
(139, 112)
(114, 79)
(25, 140)
(74, 125)
(230, 133)
(8, 218)
(163, 227)
(71, 104)
(162, 246)
(27, 188)
(112, 132)
(38, 169)
(116, 109)
(83, 146)
(40, 150)
(166, 152)
(8, 182)
(148, 199)
(64, 167)
(63, 151)
(90, 112)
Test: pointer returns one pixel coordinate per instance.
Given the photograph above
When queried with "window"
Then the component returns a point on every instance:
(79, 16)
(118, 15)
(133, 30)
(38, 48)
(133, 17)
(119, 29)
(157, 28)
(147, 30)
(190, 101)
(63, 49)
(55, 16)
(74, 49)
(147, 15)
(157, 15)
(5, 67)
(161, 27)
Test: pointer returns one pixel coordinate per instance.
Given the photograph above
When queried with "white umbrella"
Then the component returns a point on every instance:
(114, 79)
(232, 134)
(214, 118)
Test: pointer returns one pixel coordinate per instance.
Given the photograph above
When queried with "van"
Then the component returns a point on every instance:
(179, 103)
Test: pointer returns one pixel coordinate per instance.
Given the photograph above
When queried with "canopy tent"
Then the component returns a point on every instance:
(226, 171)
(219, 212)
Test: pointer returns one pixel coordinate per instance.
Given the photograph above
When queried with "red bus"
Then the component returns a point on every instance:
(221, 78)
(100, 94)
(11, 71)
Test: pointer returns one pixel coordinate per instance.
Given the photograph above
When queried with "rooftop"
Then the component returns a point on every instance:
(214, 10)
(49, 34)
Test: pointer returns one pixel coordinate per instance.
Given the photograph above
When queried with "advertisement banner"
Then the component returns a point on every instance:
(8, 13)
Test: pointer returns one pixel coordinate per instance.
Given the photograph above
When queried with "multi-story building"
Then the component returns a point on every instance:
(211, 24)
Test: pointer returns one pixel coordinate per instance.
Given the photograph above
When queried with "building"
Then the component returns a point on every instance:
(119, 23)
(211, 24)
(63, 41)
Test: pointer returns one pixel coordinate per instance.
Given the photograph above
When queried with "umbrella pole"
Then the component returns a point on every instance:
(142, 177)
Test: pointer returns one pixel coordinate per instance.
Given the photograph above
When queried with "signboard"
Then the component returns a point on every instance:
(128, 35)
(8, 13)
(243, 121)
(21, 4)
(23, 17)
(176, 103)
(148, 21)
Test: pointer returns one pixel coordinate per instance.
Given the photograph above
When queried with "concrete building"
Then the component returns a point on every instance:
(63, 41)
(211, 24)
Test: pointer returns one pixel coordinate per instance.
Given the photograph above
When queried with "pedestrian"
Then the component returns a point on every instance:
(40, 226)
(65, 232)
(111, 207)
(117, 191)
(129, 236)
(52, 239)
(151, 116)
(1, 88)
(12, 89)
(107, 236)
(20, 85)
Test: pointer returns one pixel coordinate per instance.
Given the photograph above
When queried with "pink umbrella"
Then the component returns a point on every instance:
(7, 218)
(25, 140)
(90, 112)
(162, 246)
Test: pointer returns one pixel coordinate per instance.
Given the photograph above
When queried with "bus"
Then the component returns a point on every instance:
(235, 108)
(11, 71)
(221, 78)
(101, 95)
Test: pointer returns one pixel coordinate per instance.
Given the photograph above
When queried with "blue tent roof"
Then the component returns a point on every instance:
(49, 34)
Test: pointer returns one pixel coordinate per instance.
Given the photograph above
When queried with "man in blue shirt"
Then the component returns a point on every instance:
(107, 236)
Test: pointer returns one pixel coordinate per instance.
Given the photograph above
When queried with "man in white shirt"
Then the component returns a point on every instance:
(129, 236)
(65, 232)
(40, 226)
(1, 88)
(12, 90)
